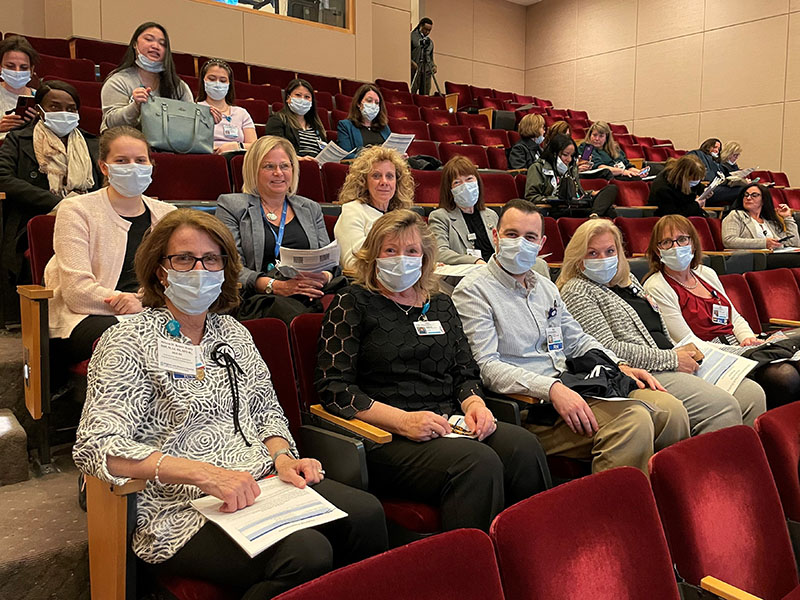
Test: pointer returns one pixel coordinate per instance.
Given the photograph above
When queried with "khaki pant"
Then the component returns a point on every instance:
(628, 433)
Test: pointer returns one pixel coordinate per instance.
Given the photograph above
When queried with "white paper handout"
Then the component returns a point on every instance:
(707, 192)
(332, 152)
(456, 270)
(724, 369)
(399, 141)
(294, 261)
(281, 509)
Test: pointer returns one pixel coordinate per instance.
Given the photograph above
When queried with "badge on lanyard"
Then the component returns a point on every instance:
(720, 314)
(474, 252)
(177, 357)
(230, 131)
(554, 339)
(426, 327)
(471, 237)
(200, 367)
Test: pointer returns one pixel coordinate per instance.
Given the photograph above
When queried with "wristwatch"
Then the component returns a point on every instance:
(268, 287)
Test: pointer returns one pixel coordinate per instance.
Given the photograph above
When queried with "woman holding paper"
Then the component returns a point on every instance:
(265, 217)
(366, 123)
(377, 182)
(393, 353)
(610, 304)
(693, 301)
(179, 396)
(606, 152)
(298, 120)
(677, 190)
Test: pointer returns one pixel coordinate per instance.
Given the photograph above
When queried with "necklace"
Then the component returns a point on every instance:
(683, 285)
(271, 214)
(408, 310)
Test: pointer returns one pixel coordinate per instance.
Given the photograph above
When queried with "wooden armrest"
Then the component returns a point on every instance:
(637, 162)
(523, 398)
(784, 322)
(133, 486)
(2, 195)
(748, 250)
(451, 102)
(717, 209)
(717, 252)
(357, 426)
(725, 590)
(554, 265)
(517, 171)
(35, 292)
(33, 302)
(489, 112)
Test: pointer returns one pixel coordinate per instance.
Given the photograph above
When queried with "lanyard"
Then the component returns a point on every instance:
(278, 236)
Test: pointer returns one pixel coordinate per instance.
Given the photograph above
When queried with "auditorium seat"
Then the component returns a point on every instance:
(473, 121)
(424, 147)
(567, 227)
(593, 184)
(631, 193)
(722, 513)
(578, 133)
(343, 102)
(656, 153)
(559, 113)
(644, 140)
(333, 176)
(91, 118)
(453, 134)
(503, 95)
(634, 151)
(268, 93)
(257, 109)
(189, 177)
(310, 181)
(463, 91)
(427, 186)
(715, 225)
(662, 142)
(495, 103)
(192, 82)
(523, 99)
(578, 114)
(550, 121)
(617, 129)
(184, 64)
(325, 117)
(105, 69)
(519, 181)
(276, 77)
(513, 137)
(777, 428)
(763, 176)
(418, 128)
(321, 83)
(71, 68)
(792, 197)
(625, 138)
(395, 97)
(498, 188)
(779, 178)
(89, 91)
(776, 295)
(437, 102)
(350, 87)
(49, 46)
(324, 100)
(481, 92)
(636, 233)
(497, 156)
(738, 292)
(553, 249)
(434, 116)
(398, 86)
(707, 242)
(336, 116)
(544, 103)
(98, 51)
(240, 72)
(597, 537)
(404, 111)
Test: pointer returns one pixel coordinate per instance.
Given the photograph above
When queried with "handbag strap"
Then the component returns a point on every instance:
(165, 128)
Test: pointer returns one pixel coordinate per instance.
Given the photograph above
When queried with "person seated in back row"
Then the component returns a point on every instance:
(366, 123)
(234, 128)
(606, 152)
(529, 148)
(146, 70)
(18, 60)
(526, 342)
(298, 121)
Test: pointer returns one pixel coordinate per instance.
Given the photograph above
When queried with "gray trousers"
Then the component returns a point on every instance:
(710, 407)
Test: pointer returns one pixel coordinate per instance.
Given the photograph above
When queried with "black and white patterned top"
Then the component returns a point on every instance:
(133, 409)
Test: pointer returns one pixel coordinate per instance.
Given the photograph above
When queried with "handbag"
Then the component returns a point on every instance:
(176, 126)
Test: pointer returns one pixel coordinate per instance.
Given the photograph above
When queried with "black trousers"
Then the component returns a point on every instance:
(81, 341)
(604, 202)
(470, 481)
(213, 556)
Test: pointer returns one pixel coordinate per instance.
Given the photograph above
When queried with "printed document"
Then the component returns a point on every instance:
(311, 261)
(723, 369)
(332, 152)
(399, 141)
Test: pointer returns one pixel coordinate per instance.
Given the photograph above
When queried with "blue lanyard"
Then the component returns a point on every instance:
(279, 235)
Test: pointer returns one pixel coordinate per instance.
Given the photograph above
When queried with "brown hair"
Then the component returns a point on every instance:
(17, 43)
(149, 257)
(112, 133)
(530, 125)
(679, 172)
(611, 146)
(355, 184)
(230, 97)
(522, 205)
(677, 223)
(396, 223)
(354, 114)
(458, 166)
(561, 127)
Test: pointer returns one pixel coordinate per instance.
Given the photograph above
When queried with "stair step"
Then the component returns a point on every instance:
(13, 449)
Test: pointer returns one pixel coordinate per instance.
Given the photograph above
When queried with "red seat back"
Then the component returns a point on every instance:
(425, 147)
(336, 116)
(91, 118)
(707, 242)
(578, 114)
(634, 151)
(539, 538)
(503, 95)
(636, 233)
(268, 93)
(477, 154)
(764, 176)
(792, 197)
(722, 514)
(69, 68)
(310, 181)
(236, 165)
(395, 97)
(632, 193)
(522, 99)
(520, 180)
(330, 223)
(780, 178)
(435, 116)
(350, 87)
(192, 82)
(617, 129)
(473, 121)
(495, 103)
(105, 69)
(418, 128)
(593, 184)
(481, 92)
(463, 91)
(89, 91)
(333, 176)
(437, 102)
(497, 156)
(184, 64)
(342, 102)
(625, 138)
(776, 294)
(257, 109)
(738, 292)
(559, 113)
(450, 134)
(427, 186)
(40, 244)
(98, 51)
(189, 177)
(553, 245)
(568, 225)
(498, 188)
(277, 77)
(240, 71)
(398, 86)
(715, 225)
(404, 111)
(305, 330)
(778, 429)
(656, 154)
(50, 46)
(321, 83)
(644, 140)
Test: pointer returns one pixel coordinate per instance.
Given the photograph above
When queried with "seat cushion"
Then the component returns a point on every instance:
(413, 516)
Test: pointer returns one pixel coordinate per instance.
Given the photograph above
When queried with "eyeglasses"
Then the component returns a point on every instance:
(753, 195)
(187, 262)
(285, 167)
(681, 240)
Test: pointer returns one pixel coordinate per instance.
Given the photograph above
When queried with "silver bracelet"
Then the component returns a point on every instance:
(158, 466)
(282, 451)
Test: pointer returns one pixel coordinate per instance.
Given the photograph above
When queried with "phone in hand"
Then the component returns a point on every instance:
(644, 172)
(587, 152)
(23, 104)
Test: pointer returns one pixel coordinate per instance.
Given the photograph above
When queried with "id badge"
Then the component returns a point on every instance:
(474, 252)
(199, 366)
(719, 314)
(428, 327)
(472, 237)
(230, 131)
(177, 357)
(554, 340)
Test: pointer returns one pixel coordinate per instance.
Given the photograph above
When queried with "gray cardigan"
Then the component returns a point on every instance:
(739, 231)
(242, 214)
(615, 324)
(452, 234)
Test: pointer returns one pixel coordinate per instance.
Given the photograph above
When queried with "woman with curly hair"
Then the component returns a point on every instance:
(378, 181)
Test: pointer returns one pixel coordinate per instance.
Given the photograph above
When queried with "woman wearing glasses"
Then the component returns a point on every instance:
(268, 216)
(95, 239)
(206, 422)
(692, 300)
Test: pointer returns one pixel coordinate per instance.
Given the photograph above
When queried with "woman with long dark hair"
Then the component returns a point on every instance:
(234, 128)
(147, 69)
(298, 120)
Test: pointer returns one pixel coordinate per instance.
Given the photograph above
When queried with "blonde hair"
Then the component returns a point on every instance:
(254, 157)
(575, 252)
(679, 172)
(530, 125)
(355, 185)
(396, 223)
(611, 146)
(729, 149)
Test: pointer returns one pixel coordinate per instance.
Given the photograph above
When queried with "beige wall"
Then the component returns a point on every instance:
(682, 69)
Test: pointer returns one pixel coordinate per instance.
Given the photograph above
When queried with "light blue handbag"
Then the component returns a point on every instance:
(177, 126)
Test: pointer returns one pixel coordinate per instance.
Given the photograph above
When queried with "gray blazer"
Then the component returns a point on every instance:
(452, 234)
(241, 213)
(739, 231)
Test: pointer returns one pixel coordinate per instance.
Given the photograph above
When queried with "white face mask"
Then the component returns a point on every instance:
(466, 194)
(398, 273)
(370, 110)
(678, 258)
(130, 179)
(61, 122)
(731, 162)
(693, 182)
(193, 292)
(600, 270)
(539, 139)
(151, 66)
(516, 255)
(16, 79)
(715, 154)
(299, 106)
(216, 90)
(561, 165)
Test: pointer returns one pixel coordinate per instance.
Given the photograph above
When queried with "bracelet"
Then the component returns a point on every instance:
(282, 451)
(158, 466)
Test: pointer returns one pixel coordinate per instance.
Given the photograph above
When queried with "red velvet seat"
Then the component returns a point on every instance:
(617, 129)
(427, 186)
(503, 95)
(473, 121)
(567, 227)
(559, 113)
(98, 51)
(722, 513)
(333, 176)
(257, 109)
(763, 175)
(350, 87)
(632, 193)
(324, 100)
(268, 93)
(91, 118)
(593, 184)
(418, 128)
(520, 180)
(453, 134)
(707, 242)
(644, 140)
(497, 157)
(495, 103)
(437, 102)
(656, 153)
(636, 233)
(310, 181)
(578, 114)
(184, 64)
(398, 86)
(776, 294)
(49, 46)
(321, 83)
(325, 117)
(598, 537)
(435, 116)
(780, 178)
(513, 137)
(634, 151)
(463, 91)
(778, 429)
(431, 569)
(408, 112)
(105, 69)
(336, 116)
(792, 197)
(192, 82)
(523, 99)
(189, 177)
(240, 71)
(425, 147)
(553, 249)
(662, 142)
(543, 102)
(276, 77)
(330, 223)
(481, 92)
(738, 292)
(395, 97)
(625, 138)
(498, 188)
(40, 238)
(550, 121)
(70, 68)
(343, 102)
(477, 154)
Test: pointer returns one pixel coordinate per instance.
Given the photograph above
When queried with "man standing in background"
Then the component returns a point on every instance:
(422, 65)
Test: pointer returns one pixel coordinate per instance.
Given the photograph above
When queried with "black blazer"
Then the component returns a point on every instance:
(277, 126)
(28, 191)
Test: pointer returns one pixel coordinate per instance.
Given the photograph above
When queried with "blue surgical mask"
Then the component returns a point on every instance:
(398, 273)
(466, 194)
(600, 270)
(130, 179)
(517, 255)
(370, 110)
(678, 258)
(299, 106)
(561, 165)
(693, 183)
(216, 90)
(539, 139)
(61, 122)
(151, 66)
(193, 292)
(16, 79)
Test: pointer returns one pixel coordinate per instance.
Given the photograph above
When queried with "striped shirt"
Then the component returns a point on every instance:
(310, 143)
